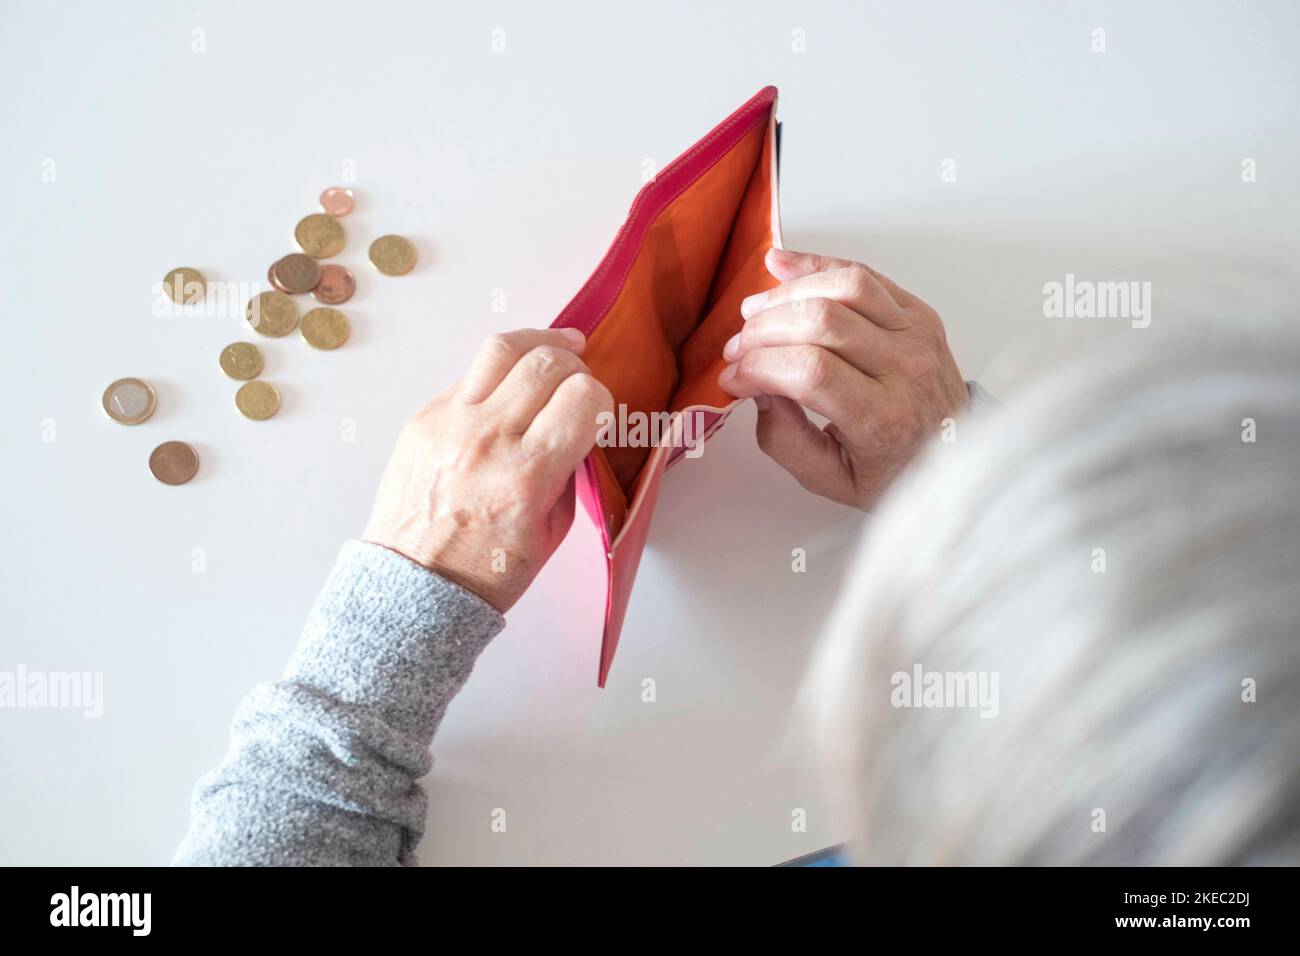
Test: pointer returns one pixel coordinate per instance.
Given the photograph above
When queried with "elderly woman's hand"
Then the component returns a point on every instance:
(480, 486)
(850, 344)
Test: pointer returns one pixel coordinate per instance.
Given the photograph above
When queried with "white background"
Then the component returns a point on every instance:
(512, 171)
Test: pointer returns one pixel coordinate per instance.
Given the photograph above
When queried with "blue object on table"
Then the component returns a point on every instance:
(831, 856)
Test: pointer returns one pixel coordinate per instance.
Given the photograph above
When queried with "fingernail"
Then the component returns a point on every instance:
(727, 375)
(731, 350)
(762, 402)
(574, 335)
(782, 255)
(753, 303)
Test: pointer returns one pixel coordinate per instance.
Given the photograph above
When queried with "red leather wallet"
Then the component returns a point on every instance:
(657, 312)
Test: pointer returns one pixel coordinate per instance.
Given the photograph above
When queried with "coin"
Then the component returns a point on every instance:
(270, 277)
(241, 360)
(174, 462)
(272, 313)
(129, 401)
(336, 201)
(324, 328)
(393, 255)
(257, 400)
(185, 286)
(295, 273)
(336, 285)
(319, 235)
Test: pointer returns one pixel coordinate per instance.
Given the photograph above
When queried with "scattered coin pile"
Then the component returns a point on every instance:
(130, 401)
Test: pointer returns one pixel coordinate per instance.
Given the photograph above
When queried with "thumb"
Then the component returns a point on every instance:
(785, 264)
(809, 454)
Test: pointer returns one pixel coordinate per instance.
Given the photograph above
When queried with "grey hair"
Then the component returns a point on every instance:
(1126, 731)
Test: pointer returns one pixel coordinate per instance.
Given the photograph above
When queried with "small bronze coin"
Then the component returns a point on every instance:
(272, 313)
(257, 400)
(324, 328)
(393, 255)
(174, 462)
(336, 201)
(270, 277)
(295, 273)
(185, 286)
(129, 401)
(241, 361)
(320, 235)
(336, 285)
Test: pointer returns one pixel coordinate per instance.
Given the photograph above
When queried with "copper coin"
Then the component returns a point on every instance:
(336, 201)
(174, 462)
(295, 273)
(336, 285)
(270, 277)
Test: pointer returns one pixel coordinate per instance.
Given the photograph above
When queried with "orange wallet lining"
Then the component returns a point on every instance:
(659, 346)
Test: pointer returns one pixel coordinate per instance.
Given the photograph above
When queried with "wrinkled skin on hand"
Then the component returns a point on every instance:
(480, 486)
(841, 339)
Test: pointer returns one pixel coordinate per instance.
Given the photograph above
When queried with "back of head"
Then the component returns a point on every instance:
(1072, 635)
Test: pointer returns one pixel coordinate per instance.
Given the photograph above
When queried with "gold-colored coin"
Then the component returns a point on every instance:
(257, 400)
(324, 328)
(272, 313)
(185, 286)
(241, 360)
(129, 401)
(174, 462)
(320, 235)
(393, 255)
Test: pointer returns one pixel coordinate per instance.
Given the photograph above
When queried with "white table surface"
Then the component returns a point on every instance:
(512, 171)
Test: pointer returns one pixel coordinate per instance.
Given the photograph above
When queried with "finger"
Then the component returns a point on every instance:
(900, 295)
(809, 374)
(809, 454)
(565, 430)
(853, 286)
(822, 322)
(785, 265)
(499, 354)
(530, 384)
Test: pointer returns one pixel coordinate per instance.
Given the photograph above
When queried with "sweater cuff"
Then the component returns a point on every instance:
(979, 398)
(392, 637)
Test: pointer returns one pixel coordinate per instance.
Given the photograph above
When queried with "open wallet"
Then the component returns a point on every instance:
(658, 310)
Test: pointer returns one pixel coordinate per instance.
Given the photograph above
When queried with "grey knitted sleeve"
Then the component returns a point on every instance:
(979, 398)
(323, 763)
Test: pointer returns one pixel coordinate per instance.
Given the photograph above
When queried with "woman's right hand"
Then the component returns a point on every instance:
(480, 486)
